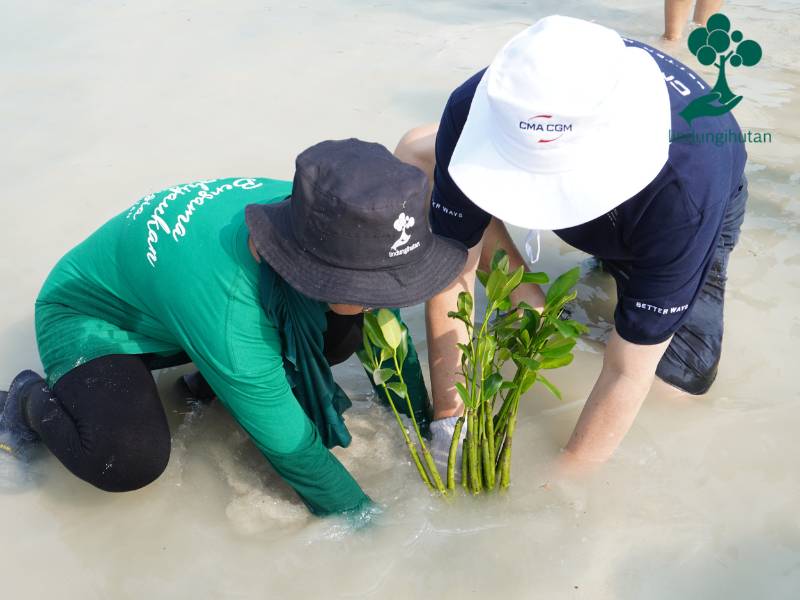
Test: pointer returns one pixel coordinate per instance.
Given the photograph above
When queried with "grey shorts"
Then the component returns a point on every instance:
(691, 360)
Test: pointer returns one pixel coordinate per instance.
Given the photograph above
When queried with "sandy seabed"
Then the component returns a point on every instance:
(104, 102)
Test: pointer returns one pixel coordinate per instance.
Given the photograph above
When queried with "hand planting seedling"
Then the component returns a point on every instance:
(517, 335)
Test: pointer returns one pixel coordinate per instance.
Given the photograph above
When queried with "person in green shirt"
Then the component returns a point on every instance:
(261, 284)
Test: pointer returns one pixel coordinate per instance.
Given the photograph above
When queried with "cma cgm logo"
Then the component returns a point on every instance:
(542, 124)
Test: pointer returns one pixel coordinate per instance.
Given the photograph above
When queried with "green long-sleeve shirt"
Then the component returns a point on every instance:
(174, 273)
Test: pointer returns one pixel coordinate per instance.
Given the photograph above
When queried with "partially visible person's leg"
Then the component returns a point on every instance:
(104, 421)
(676, 12)
(691, 360)
(704, 9)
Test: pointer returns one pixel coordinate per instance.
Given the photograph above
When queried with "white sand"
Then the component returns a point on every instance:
(103, 102)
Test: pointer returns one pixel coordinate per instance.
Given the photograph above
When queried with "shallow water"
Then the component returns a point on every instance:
(103, 102)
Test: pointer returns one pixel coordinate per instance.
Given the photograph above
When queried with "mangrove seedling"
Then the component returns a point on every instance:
(517, 335)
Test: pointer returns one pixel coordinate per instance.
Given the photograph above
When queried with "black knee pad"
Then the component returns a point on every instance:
(123, 467)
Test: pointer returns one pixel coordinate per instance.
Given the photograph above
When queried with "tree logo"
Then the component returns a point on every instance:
(715, 44)
(402, 223)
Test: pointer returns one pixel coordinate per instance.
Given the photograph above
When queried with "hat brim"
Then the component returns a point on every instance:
(628, 152)
(271, 231)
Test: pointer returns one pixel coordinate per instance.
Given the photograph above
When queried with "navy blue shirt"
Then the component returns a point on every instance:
(666, 234)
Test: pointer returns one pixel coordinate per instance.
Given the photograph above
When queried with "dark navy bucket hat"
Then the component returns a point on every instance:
(355, 230)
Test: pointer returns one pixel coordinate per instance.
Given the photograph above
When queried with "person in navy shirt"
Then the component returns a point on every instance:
(575, 129)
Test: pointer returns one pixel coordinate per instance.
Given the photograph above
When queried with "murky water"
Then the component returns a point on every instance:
(103, 102)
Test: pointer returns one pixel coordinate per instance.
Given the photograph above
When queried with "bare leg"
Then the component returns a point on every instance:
(676, 12)
(704, 9)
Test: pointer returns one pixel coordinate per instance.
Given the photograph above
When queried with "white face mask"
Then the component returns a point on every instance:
(529, 245)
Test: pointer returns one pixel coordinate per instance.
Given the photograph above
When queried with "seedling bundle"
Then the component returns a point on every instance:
(504, 357)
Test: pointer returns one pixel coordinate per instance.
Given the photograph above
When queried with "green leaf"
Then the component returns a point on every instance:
(503, 355)
(549, 385)
(456, 315)
(560, 361)
(491, 385)
(494, 286)
(527, 381)
(504, 305)
(580, 327)
(500, 261)
(483, 277)
(366, 350)
(513, 282)
(402, 349)
(570, 328)
(546, 330)
(462, 391)
(374, 331)
(527, 362)
(559, 347)
(488, 346)
(386, 354)
(566, 328)
(464, 303)
(390, 327)
(398, 388)
(529, 321)
(565, 299)
(506, 321)
(381, 376)
(537, 278)
(366, 360)
(563, 284)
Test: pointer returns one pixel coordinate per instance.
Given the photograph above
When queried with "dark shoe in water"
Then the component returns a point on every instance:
(197, 387)
(19, 465)
(15, 433)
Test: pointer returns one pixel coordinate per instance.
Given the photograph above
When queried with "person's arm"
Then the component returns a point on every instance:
(443, 333)
(265, 407)
(251, 382)
(417, 147)
(625, 379)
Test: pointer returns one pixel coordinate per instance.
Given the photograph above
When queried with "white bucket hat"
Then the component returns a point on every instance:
(566, 124)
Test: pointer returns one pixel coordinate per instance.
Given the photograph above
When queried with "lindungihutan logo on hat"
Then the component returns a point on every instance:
(403, 224)
(566, 123)
(335, 239)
